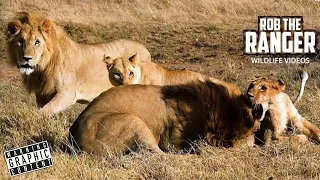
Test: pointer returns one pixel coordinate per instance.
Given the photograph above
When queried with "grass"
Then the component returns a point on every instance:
(203, 36)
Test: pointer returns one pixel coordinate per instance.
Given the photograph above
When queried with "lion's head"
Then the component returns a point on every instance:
(123, 70)
(264, 90)
(27, 42)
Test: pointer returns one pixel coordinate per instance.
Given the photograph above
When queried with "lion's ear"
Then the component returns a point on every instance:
(47, 25)
(280, 85)
(134, 59)
(14, 27)
(109, 61)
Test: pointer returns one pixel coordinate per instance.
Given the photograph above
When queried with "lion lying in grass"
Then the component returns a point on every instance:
(159, 117)
(58, 70)
(281, 113)
(131, 71)
(125, 71)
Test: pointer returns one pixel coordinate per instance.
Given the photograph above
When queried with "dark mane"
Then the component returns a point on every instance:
(226, 115)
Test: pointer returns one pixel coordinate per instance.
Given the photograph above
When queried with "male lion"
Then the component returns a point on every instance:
(58, 70)
(280, 111)
(160, 117)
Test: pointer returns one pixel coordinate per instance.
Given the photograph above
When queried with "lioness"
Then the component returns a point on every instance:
(58, 70)
(281, 113)
(125, 71)
(159, 117)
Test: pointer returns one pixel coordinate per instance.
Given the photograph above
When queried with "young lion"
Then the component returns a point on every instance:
(281, 110)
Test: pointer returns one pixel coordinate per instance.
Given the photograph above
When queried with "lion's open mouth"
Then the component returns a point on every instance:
(259, 110)
(26, 68)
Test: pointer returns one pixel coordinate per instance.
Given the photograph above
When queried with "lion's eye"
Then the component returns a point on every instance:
(263, 88)
(131, 74)
(37, 43)
(19, 43)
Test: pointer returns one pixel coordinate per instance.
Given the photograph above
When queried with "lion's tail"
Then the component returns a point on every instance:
(304, 77)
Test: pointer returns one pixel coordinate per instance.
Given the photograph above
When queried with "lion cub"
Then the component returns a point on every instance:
(124, 71)
(282, 112)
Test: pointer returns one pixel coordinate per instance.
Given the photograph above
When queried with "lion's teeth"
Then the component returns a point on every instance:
(26, 71)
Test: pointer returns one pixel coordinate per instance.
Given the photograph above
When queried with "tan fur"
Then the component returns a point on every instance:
(57, 69)
(125, 71)
(162, 118)
(282, 113)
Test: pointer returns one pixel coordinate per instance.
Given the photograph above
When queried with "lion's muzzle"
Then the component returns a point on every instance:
(27, 65)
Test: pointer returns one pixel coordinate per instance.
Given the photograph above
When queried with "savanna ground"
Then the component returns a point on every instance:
(204, 36)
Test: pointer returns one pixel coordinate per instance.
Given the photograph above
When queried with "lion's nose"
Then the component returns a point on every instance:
(250, 95)
(27, 58)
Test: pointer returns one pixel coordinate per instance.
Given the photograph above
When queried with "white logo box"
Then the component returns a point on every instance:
(28, 158)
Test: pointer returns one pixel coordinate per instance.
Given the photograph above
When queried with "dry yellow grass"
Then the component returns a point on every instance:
(169, 29)
(167, 11)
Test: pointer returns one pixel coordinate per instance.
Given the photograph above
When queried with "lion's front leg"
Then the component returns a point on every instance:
(59, 102)
(43, 100)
